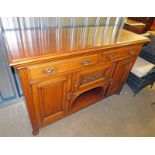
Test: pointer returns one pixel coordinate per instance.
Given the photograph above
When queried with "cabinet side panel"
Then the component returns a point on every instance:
(28, 97)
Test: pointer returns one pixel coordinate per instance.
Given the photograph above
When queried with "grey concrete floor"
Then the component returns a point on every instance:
(118, 115)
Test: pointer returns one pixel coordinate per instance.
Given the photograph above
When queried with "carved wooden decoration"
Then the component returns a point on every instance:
(91, 77)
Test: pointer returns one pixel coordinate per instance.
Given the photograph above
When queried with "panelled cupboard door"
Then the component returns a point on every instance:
(120, 75)
(50, 99)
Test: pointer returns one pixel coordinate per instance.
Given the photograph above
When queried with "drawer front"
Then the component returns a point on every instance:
(121, 54)
(89, 78)
(48, 69)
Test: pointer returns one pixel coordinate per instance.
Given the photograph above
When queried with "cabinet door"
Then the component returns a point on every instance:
(120, 75)
(50, 99)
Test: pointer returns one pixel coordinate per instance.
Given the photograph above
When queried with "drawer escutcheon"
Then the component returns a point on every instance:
(132, 52)
(86, 62)
(112, 57)
(49, 70)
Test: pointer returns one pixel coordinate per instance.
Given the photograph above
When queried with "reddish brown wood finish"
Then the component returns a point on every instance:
(139, 25)
(147, 20)
(57, 83)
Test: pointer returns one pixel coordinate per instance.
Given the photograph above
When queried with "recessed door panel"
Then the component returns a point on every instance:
(50, 99)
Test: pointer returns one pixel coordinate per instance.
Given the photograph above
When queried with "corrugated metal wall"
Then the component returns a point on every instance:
(12, 23)
(8, 89)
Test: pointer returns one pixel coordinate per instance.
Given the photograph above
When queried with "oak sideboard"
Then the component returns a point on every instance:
(63, 71)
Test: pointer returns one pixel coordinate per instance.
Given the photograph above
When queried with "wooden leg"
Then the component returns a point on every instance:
(118, 93)
(35, 132)
(151, 85)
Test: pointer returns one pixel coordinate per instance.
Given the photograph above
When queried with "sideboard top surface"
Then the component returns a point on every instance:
(32, 45)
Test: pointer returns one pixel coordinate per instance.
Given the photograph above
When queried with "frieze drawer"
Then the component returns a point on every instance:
(49, 69)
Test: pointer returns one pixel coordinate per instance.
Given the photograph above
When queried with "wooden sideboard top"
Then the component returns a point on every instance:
(33, 45)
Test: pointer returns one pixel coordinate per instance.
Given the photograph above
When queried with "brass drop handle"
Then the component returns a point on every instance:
(86, 62)
(112, 56)
(111, 81)
(49, 70)
(69, 95)
(132, 52)
(76, 84)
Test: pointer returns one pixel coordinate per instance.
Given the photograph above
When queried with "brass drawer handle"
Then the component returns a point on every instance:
(132, 52)
(112, 56)
(86, 62)
(49, 70)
